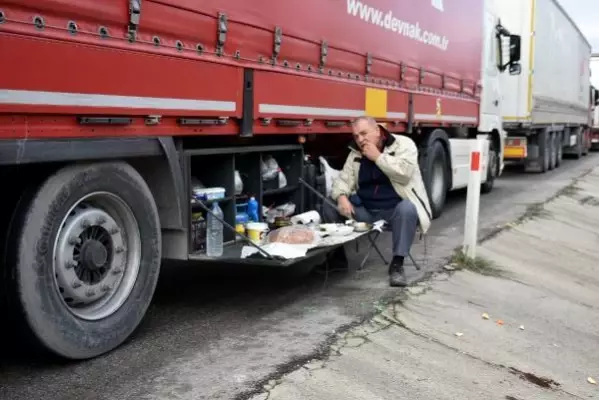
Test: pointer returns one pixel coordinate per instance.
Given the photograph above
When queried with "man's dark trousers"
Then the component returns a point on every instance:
(402, 219)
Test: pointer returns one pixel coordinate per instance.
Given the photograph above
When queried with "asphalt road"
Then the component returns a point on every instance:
(218, 333)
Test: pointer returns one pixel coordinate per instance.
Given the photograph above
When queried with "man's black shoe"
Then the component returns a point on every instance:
(398, 279)
(397, 275)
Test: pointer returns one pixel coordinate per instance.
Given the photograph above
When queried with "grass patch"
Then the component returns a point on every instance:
(479, 265)
(570, 190)
(536, 210)
(589, 200)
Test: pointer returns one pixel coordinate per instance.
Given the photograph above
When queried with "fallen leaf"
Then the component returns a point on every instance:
(458, 334)
(499, 322)
(485, 316)
(591, 381)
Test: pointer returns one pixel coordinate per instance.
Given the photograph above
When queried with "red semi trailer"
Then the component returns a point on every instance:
(111, 111)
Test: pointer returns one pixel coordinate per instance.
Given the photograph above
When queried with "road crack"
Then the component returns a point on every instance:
(541, 382)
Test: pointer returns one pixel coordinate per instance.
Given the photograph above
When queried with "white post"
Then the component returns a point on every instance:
(473, 197)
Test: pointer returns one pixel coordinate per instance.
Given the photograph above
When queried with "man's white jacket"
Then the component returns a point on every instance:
(399, 161)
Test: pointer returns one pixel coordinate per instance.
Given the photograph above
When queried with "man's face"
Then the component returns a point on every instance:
(365, 132)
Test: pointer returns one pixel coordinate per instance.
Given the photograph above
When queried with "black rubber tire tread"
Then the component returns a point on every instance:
(545, 151)
(585, 145)
(553, 153)
(436, 152)
(560, 149)
(487, 186)
(579, 146)
(29, 255)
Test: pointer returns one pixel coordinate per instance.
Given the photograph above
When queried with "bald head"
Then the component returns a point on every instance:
(365, 119)
(365, 130)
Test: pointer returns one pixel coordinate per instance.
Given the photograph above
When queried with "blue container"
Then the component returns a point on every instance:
(253, 209)
(242, 217)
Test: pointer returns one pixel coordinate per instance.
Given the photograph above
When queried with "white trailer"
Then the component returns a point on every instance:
(546, 108)
(595, 129)
(595, 112)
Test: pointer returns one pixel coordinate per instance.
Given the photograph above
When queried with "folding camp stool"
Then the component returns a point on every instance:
(374, 235)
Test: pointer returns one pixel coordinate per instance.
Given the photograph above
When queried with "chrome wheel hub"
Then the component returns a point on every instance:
(97, 255)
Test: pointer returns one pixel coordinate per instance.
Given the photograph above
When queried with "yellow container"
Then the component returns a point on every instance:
(240, 228)
(257, 231)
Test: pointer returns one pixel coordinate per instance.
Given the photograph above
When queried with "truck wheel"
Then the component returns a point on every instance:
(578, 148)
(585, 144)
(545, 151)
(560, 149)
(492, 168)
(553, 153)
(437, 177)
(85, 257)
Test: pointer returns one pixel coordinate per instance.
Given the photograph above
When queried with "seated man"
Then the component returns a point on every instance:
(381, 180)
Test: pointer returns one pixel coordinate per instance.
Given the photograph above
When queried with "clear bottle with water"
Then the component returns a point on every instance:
(215, 228)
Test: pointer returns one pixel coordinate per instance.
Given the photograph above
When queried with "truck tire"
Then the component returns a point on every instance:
(559, 142)
(492, 168)
(553, 151)
(437, 177)
(578, 147)
(84, 251)
(585, 144)
(545, 150)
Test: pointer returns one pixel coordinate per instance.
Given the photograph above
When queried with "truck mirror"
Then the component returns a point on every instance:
(596, 102)
(515, 69)
(514, 48)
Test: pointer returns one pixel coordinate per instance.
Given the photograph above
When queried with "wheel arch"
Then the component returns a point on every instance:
(497, 141)
(156, 159)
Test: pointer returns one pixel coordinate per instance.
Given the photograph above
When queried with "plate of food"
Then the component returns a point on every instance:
(362, 226)
(336, 229)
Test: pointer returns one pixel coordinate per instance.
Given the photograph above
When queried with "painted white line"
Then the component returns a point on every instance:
(396, 115)
(446, 118)
(111, 101)
(301, 110)
(319, 111)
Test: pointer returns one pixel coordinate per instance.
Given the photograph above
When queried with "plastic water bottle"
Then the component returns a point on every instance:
(253, 209)
(215, 228)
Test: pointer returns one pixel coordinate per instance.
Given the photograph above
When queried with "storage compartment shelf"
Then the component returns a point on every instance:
(232, 255)
(286, 189)
(195, 204)
(218, 168)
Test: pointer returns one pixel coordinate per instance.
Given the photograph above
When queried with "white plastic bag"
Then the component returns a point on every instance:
(330, 174)
(269, 168)
(238, 183)
(282, 179)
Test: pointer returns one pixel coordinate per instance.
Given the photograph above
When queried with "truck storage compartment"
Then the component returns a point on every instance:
(216, 168)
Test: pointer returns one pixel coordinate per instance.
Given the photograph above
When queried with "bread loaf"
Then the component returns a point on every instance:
(292, 235)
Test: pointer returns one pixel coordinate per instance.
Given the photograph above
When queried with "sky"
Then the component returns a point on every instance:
(586, 15)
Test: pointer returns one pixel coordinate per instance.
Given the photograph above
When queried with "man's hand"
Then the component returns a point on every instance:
(370, 151)
(345, 207)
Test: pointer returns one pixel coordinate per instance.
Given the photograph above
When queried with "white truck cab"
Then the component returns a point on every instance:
(501, 54)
